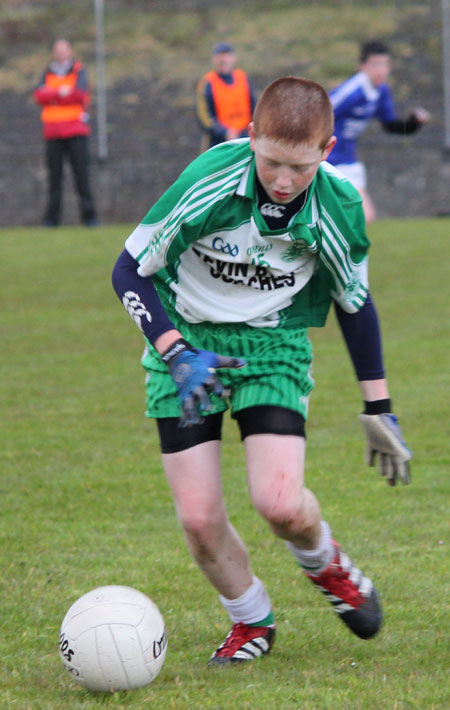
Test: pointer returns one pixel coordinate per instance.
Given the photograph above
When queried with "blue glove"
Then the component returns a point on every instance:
(385, 438)
(193, 372)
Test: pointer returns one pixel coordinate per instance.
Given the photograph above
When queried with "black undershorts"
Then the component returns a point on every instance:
(263, 419)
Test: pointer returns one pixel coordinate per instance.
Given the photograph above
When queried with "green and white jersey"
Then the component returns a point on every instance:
(214, 259)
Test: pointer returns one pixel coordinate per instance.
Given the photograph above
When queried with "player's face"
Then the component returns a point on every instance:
(285, 170)
(377, 67)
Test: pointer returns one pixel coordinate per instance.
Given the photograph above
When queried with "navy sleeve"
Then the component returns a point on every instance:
(386, 108)
(403, 126)
(140, 298)
(362, 336)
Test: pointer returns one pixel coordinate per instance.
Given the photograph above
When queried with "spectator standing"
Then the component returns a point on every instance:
(363, 96)
(64, 96)
(225, 99)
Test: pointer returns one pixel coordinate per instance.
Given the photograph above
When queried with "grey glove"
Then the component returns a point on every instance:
(385, 438)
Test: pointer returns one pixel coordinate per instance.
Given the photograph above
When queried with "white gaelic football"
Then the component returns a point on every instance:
(113, 638)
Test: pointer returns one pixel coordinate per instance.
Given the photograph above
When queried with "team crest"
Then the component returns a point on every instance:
(295, 250)
(352, 287)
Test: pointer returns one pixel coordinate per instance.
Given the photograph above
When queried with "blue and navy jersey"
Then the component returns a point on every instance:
(355, 102)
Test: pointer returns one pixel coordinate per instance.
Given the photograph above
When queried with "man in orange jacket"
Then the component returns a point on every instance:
(63, 93)
(225, 99)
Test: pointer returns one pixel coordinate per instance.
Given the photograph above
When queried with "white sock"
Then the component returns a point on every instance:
(315, 561)
(251, 607)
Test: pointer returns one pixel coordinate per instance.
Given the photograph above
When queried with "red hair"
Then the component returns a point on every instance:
(294, 110)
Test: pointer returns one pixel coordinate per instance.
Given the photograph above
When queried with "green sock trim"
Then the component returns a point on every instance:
(309, 568)
(268, 621)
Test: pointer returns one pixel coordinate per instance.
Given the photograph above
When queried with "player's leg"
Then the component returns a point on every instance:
(356, 173)
(191, 459)
(195, 481)
(275, 475)
(368, 206)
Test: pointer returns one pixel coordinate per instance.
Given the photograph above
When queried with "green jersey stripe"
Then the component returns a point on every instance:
(208, 182)
(333, 263)
(187, 215)
(338, 251)
(341, 239)
(201, 196)
(169, 230)
(198, 202)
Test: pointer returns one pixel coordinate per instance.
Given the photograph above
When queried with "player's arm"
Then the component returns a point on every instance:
(362, 335)
(403, 126)
(387, 114)
(192, 370)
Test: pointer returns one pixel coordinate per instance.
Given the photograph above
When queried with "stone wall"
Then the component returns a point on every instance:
(149, 144)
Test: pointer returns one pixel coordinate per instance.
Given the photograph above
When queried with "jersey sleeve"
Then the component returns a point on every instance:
(178, 218)
(170, 226)
(344, 97)
(386, 108)
(345, 244)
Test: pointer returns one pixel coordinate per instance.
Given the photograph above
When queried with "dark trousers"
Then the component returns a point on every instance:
(76, 149)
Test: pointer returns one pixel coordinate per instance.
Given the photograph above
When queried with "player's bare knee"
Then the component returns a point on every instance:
(202, 530)
(282, 513)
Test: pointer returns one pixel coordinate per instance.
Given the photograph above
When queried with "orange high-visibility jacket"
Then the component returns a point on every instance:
(232, 101)
(63, 116)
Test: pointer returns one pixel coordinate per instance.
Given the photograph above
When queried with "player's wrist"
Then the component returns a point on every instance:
(175, 349)
(378, 406)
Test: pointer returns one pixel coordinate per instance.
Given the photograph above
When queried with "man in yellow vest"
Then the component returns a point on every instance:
(225, 99)
(64, 96)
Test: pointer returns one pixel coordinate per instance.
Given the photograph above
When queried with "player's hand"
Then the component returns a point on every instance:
(384, 437)
(193, 372)
(421, 114)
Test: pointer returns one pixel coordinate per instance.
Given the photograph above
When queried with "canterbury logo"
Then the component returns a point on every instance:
(136, 308)
(271, 210)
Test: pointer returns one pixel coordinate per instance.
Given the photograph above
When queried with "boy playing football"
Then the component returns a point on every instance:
(246, 250)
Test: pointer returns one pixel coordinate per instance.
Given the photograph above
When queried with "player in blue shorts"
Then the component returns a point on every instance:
(246, 250)
(364, 96)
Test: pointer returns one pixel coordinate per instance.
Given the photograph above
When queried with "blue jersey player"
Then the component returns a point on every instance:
(363, 96)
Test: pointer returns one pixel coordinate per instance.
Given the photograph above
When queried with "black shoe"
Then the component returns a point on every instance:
(352, 595)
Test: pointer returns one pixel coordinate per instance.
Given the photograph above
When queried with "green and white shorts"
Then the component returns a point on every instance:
(278, 371)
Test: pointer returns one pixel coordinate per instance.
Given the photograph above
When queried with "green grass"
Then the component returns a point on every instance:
(85, 502)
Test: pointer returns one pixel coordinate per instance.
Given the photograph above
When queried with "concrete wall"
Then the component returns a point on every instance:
(407, 176)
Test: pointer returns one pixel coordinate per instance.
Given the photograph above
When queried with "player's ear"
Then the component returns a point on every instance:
(251, 133)
(329, 147)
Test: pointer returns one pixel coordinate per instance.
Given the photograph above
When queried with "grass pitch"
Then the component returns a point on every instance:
(84, 501)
